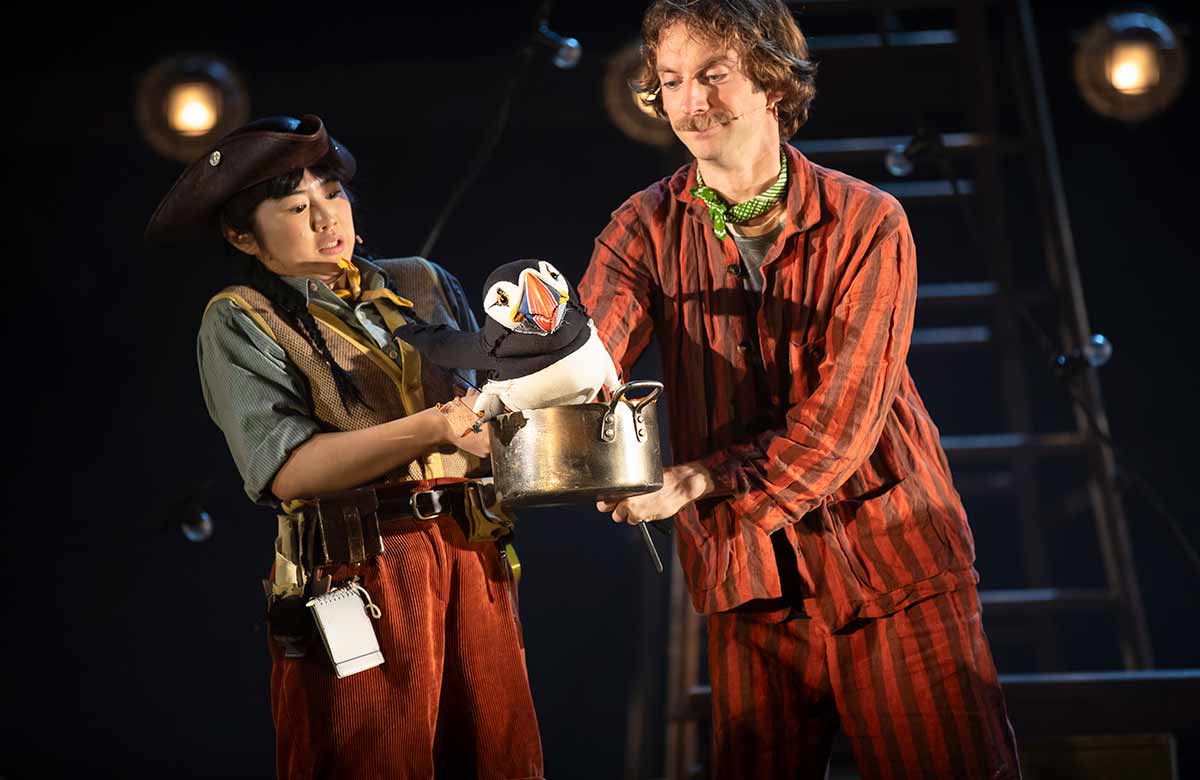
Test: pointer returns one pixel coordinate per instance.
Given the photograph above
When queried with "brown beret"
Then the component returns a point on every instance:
(254, 153)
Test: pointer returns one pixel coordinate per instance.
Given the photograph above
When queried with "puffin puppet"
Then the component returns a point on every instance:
(538, 343)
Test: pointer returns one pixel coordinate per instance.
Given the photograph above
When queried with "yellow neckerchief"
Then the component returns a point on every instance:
(349, 287)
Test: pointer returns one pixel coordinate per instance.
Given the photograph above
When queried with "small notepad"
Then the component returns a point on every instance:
(346, 629)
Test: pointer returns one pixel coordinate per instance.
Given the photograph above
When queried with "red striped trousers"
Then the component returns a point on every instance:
(452, 697)
(915, 692)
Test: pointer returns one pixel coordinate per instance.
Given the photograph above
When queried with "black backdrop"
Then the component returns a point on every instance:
(131, 652)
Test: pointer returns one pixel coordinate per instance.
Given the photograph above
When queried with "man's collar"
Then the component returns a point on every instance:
(803, 196)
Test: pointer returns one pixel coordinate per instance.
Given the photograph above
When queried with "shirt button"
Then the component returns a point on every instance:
(743, 348)
(312, 286)
(392, 354)
(734, 270)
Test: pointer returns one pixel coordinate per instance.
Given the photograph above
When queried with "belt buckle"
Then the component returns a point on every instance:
(435, 503)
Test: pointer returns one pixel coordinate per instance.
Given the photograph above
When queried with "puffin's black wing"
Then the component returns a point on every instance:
(554, 345)
(449, 347)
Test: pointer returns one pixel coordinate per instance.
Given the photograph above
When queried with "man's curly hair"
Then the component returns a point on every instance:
(769, 44)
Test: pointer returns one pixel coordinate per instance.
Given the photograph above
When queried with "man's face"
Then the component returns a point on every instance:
(712, 105)
(306, 232)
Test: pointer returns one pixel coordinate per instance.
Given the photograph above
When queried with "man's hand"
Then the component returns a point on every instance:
(682, 485)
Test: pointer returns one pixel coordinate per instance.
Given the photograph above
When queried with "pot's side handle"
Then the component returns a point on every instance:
(608, 425)
(641, 404)
(608, 431)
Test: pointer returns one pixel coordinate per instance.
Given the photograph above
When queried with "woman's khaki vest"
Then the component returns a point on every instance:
(394, 383)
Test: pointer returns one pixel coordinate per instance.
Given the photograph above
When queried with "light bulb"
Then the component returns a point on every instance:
(567, 51)
(197, 524)
(896, 161)
(1097, 350)
(193, 108)
(568, 54)
(1133, 67)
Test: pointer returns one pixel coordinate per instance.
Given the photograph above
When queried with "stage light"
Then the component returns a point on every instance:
(1133, 67)
(902, 159)
(184, 104)
(1130, 65)
(193, 108)
(1094, 353)
(626, 108)
(567, 51)
(196, 523)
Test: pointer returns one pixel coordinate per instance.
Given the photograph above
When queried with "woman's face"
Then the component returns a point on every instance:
(303, 233)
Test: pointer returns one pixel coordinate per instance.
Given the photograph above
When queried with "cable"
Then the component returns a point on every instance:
(1051, 351)
(938, 151)
(567, 53)
(1129, 471)
(929, 142)
(491, 139)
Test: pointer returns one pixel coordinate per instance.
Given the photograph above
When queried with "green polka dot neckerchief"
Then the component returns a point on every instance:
(722, 213)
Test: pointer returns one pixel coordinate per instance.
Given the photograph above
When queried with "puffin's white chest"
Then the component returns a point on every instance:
(575, 379)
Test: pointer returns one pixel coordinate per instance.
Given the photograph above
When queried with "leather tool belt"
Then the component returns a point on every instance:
(347, 525)
(322, 536)
(346, 528)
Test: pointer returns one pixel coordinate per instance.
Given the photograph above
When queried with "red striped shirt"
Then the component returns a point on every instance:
(801, 406)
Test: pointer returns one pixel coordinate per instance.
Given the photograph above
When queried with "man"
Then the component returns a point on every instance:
(818, 527)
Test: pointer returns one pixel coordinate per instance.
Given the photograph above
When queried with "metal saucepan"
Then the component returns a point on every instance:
(566, 454)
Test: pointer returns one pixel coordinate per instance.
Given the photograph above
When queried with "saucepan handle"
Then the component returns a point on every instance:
(608, 421)
(641, 404)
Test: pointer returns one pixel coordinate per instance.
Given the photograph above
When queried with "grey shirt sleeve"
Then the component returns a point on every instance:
(463, 312)
(254, 394)
(464, 315)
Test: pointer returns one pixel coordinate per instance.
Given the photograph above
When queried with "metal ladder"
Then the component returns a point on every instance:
(948, 59)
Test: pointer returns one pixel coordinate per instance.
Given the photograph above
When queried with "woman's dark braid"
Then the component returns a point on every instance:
(290, 305)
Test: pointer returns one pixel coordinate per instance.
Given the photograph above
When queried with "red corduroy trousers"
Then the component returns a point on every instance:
(916, 694)
(452, 697)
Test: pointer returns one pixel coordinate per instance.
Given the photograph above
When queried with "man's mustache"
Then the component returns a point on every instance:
(698, 123)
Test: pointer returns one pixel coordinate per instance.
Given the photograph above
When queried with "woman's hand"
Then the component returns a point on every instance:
(478, 444)
(458, 416)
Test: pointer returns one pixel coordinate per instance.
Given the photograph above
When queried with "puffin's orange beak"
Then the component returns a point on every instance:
(539, 302)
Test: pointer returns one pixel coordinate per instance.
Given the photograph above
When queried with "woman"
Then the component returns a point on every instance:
(316, 401)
